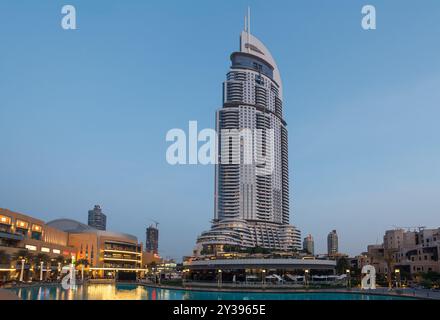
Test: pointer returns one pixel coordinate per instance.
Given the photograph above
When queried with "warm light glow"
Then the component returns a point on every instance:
(118, 269)
(117, 259)
(56, 251)
(306, 271)
(22, 224)
(31, 248)
(43, 249)
(397, 271)
(122, 251)
(348, 270)
(36, 227)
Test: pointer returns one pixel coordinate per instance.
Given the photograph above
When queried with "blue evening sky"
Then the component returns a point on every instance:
(84, 114)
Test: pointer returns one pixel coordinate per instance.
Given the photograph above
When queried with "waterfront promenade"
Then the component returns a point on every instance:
(280, 288)
(8, 295)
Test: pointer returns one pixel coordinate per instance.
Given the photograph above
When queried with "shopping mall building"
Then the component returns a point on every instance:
(108, 254)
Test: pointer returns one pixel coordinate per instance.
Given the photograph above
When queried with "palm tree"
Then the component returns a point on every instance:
(389, 258)
(42, 259)
(342, 265)
(60, 262)
(26, 256)
(84, 263)
(4, 257)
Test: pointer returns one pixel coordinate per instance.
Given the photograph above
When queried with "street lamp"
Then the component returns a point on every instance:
(306, 274)
(219, 277)
(397, 272)
(41, 270)
(263, 280)
(22, 269)
(348, 278)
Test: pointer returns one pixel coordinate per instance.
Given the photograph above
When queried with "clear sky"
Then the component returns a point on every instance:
(84, 113)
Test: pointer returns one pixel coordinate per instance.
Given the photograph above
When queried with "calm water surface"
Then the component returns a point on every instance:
(136, 292)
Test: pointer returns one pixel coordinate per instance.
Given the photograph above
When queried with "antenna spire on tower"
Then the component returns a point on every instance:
(247, 29)
(249, 20)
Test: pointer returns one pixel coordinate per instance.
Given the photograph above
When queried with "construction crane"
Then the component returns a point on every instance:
(156, 222)
(421, 228)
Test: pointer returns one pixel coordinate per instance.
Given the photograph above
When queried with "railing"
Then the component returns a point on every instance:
(101, 281)
(260, 284)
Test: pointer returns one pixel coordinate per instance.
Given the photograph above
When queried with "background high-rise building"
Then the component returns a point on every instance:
(152, 241)
(332, 243)
(309, 245)
(97, 219)
(252, 197)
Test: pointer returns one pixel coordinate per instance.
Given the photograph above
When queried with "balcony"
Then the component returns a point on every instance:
(11, 236)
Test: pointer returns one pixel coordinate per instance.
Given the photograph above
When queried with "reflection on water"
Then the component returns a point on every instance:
(136, 292)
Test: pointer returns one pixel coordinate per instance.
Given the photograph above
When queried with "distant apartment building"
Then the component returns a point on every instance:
(97, 219)
(152, 241)
(309, 245)
(409, 251)
(332, 243)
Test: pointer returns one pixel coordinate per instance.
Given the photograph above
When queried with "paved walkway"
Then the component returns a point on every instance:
(8, 295)
(418, 293)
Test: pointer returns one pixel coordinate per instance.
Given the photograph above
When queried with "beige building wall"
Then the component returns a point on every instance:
(38, 237)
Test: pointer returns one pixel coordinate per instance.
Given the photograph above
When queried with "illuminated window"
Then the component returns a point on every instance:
(36, 228)
(22, 224)
(5, 220)
(31, 248)
(56, 251)
(43, 249)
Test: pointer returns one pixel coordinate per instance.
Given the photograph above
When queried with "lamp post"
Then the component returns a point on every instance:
(397, 272)
(72, 272)
(348, 278)
(59, 270)
(22, 270)
(263, 280)
(306, 277)
(41, 270)
(219, 278)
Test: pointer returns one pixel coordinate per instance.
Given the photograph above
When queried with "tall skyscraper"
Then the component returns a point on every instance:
(152, 241)
(252, 178)
(309, 245)
(332, 243)
(97, 219)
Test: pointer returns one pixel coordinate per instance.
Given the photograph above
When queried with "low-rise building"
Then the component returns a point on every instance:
(19, 231)
(411, 252)
(107, 253)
